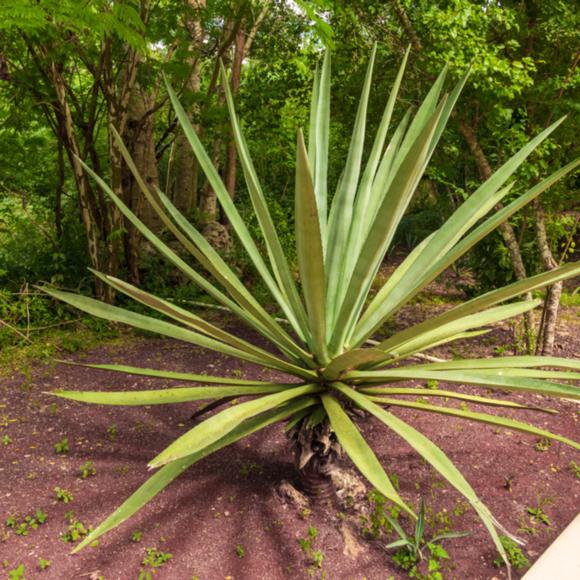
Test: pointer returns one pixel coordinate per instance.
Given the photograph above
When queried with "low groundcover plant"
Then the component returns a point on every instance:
(331, 317)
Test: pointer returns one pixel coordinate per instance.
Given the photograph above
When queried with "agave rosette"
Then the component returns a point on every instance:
(331, 316)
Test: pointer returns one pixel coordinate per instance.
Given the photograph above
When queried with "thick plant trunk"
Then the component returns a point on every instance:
(316, 452)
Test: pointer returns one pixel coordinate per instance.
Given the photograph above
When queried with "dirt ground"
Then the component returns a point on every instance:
(224, 519)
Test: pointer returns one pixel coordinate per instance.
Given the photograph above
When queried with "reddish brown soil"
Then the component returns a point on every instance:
(229, 498)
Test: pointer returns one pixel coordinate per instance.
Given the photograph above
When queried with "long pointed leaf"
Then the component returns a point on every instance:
(418, 392)
(478, 417)
(309, 252)
(164, 396)
(484, 301)
(341, 212)
(230, 209)
(488, 379)
(214, 428)
(447, 236)
(116, 314)
(194, 321)
(431, 453)
(171, 375)
(162, 478)
(273, 245)
(359, 451)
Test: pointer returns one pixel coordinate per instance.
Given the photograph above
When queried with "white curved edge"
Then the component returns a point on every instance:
(561, 561)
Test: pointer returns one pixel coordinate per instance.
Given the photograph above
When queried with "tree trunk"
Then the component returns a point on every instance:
(231, 156)
(186, 167)
(138, 136)
(547, 331)
(86, 205)
(507, 232)
(59, 186)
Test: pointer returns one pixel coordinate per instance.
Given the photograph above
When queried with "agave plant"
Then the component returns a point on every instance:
(324, 342)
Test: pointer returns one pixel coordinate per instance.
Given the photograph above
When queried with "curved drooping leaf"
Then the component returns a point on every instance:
(259, 320)
(479, 417)
(194, 321)
(116, 314)
(514, 362)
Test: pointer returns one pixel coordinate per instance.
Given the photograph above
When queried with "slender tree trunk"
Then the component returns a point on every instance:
(59, 186)
(506, 230)
(547, 331)
(231, 156)
(407, 25)
(88, 216)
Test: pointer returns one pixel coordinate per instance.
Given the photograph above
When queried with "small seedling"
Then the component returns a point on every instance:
(22, 527)
(17, 573)
(515, 555)
(44, 564)
(87, 469)
(112, 432)
(248, 468)
(76, 529)
(432, 384)
(6, 440)
(62, 448)
(542, 445)
(377, 521)
(154, 559)
(240, 551)
(411, 548)
(537, 514)
(63, 495)
(575, 469)
(136, 536)
(316, 556)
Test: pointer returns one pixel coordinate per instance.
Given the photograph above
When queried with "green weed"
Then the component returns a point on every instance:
(62, 447)
(87, 469)
(515, 555)
(63, 495)
(152, 561)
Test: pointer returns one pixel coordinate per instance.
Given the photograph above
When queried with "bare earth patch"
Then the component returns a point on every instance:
(224, 517)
